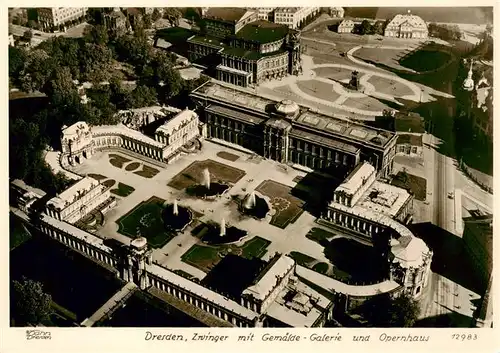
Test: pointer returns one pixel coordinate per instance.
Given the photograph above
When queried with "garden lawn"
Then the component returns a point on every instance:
(132, 166)
(118, 161)
(425, 60)
(255, 247)
(206, 257)
(318, 235)
(193, 174)
(147, 172)
(98, 177)
(123, 190)
(288, 207)
(302, 259)
(146, 220)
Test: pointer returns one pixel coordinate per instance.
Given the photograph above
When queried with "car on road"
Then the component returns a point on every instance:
(450, 195)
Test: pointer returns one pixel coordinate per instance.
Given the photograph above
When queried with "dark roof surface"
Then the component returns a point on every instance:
(414, 140)
(249, 54)
(262, 32)
(230, 14)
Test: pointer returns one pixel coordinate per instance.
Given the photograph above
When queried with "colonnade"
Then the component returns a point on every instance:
(352, 222)
(148, 150)
(75, 242)
(199, 302)
(80, 240)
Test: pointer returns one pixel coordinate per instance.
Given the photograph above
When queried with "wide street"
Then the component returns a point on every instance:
(443, 296)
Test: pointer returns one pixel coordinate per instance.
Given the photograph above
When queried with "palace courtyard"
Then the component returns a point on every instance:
(143, 209)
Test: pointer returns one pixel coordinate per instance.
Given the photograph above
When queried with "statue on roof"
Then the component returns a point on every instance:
(468, 84)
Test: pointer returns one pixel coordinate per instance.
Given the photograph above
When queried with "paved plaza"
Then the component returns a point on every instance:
(257, 172)
(321, 85)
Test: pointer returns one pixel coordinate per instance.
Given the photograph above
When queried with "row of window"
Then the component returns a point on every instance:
(224, 122)
(274, 63)
(203, 304)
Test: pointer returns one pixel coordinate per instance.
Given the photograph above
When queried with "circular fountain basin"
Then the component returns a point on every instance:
(176, 222)
(212, 235)
(259, 210)
(213, 191)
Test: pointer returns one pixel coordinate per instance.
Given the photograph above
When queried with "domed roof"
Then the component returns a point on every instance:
(409, 251)
(139, 243)
(287, 107)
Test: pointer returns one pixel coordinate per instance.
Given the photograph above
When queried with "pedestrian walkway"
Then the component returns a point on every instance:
(111, 305)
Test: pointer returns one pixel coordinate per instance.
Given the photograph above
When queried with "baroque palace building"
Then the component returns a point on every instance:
(367, 209)
(80, 140)
(407, 26)
(289, 133)
(242, 50)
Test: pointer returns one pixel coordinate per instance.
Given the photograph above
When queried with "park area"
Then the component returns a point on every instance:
(318, 89)
(193, 174)
(146, 220)
(206, 257)
(288, 207)
(425, 60)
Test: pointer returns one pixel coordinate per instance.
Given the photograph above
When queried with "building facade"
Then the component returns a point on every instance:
(243, 50)
(294, 17)
(407, 26)
(370, 209)
(115, 20)
(337, 12)
(478, 241)
(289, 133)
(77, 201)
(410, 145)
(346, 26)
(51, 17)
(79, 141)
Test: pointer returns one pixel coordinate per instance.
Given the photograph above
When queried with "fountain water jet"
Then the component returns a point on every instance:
(222, 227)
(250, 201)
(175, 210)
(206, 178)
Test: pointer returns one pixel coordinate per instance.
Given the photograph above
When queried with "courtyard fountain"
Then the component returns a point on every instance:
(176, 208)
(254, 206)
(222, 227)
(206, 178)
(216, 234)
(207, 188)
(176, 217)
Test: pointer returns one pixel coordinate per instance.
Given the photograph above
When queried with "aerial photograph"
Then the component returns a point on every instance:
(251, 167)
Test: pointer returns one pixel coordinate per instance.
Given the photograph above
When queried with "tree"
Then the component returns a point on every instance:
(95, 15)
(142, 96)
(37, 70)
(384, 311)
(156, 15)
(147, 21)
(365, 27)
(97, 34)
(61, 83)
(32, 24)
(17, 57)
(378, 27)
(96, 63)
(172, 15)
(31, 304)
(28, 35)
